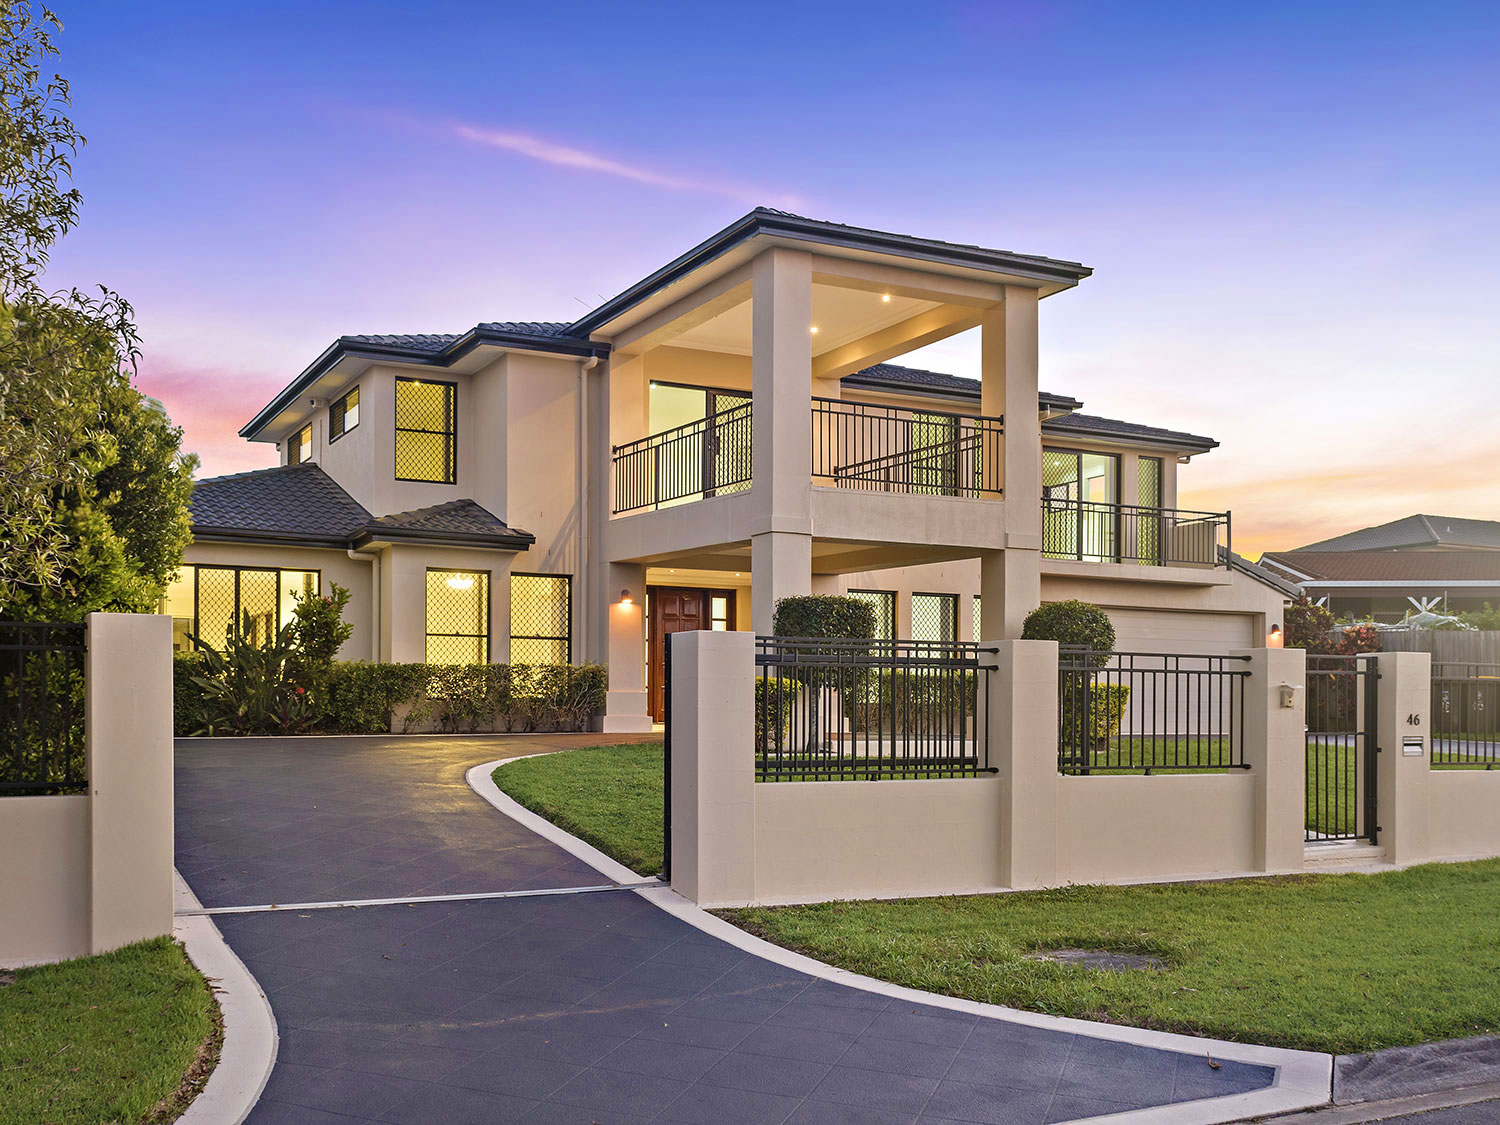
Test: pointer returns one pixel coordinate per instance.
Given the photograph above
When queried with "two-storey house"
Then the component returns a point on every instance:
(726, 432)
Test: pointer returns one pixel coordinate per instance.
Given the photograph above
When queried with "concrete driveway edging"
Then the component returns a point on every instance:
(250, 1038)
(1304, 1079)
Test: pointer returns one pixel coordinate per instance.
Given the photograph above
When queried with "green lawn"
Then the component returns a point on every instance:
(1339, 963)
(129, 1037)
(610, 796)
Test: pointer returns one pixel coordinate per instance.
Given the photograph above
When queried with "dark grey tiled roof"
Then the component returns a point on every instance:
(456, 518)
(291, 502)
(303, 504)
(419, 341)
(529, 327)
(1415, 531)
(894, 376)
(1088, 425)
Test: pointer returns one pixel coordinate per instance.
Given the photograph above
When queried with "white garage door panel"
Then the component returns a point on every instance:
(1141, 630)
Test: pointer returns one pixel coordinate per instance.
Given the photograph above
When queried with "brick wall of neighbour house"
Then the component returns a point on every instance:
(1026, 825)
(91, 872)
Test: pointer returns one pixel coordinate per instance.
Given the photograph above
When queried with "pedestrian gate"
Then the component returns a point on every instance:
(1341, 749)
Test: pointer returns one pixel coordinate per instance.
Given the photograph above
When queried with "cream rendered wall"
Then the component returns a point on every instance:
(334, 565)
(403, 616)
(44, 879)
(1462, 820)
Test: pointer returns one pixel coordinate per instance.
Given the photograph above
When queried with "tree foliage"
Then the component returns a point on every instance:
(93, 484)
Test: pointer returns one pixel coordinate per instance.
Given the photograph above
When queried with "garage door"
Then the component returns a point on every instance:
(1148, 630)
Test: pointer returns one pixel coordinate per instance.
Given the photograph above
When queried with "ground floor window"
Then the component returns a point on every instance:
(458, 616)
(884, 602)
(541, 619)
(214, 603)
(934, 617)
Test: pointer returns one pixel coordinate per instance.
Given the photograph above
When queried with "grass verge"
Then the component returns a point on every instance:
(609, 796)
(1340, 963)
(128, 1037)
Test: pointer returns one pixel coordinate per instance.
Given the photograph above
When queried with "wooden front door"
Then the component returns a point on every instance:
(676, 609)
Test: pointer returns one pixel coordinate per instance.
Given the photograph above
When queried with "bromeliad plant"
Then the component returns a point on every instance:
(249, 688)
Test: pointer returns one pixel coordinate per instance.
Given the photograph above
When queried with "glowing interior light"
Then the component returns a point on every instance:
(461, 582)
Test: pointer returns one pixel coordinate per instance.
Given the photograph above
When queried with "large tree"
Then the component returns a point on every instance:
(93, 483)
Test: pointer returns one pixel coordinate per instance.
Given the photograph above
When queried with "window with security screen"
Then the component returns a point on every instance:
(541, 619)
(426, 431)
(299, 446)
(218, 603)
(934, 617)
(884, 602)
(975, 611)
(343, 415)
(458, 616)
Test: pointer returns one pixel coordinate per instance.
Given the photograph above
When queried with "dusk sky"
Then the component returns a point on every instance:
(1292, 210)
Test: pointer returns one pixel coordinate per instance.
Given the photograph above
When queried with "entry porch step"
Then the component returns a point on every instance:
(1341, 854)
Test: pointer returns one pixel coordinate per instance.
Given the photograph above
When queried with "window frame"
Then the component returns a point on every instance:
(567, 580)
(489, 611)
(398, 429)
(951, 600)
(238, 571)
(890, 598)
(341, 403)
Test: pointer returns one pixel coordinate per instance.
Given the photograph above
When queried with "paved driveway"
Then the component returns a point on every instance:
(573, 1007)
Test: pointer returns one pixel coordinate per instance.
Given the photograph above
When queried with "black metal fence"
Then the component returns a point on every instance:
(833, 710)
(1148, 712)
(41, 708)
(709, 457)
(1465, 715)
(1341, 758)
(893, 449)
(1089, 531)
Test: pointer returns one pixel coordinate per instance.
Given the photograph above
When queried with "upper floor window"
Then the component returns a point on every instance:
(343, 415)
(426, 431)
(299, 446)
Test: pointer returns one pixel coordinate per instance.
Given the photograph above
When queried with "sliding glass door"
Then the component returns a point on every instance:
(1080, 505)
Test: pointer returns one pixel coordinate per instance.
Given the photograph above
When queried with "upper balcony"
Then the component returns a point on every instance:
(1087, 531)
(860, 446)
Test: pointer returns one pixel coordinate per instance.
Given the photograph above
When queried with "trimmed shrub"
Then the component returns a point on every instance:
(825, 615)
(1072, 623)
(360, 696)
(773, 702)
(910, 701)
(187, 692)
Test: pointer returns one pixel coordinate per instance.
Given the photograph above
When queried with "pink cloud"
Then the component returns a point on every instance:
(211, 405)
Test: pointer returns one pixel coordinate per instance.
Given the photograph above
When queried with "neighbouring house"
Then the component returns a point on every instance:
(724, 433)
(1418, 564)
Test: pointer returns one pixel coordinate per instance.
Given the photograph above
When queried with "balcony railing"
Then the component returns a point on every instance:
(1089, 531)
(709, 457)
(891, 449)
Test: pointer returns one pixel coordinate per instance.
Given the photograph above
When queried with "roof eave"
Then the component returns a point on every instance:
(516, 541)
(267, 538)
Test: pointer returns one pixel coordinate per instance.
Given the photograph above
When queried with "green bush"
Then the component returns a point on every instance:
(911, 701)
(248, 688)
(773, 700)
(1089, 722)
(187, 693)
(1072, 623)
(824, 615)
(360, 696)
(318, 632)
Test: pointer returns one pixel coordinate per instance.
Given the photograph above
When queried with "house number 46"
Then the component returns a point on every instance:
(1414, 720)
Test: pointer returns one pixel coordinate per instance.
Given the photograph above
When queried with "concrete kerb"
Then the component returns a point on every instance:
(1304, 1079)
(250, 1039)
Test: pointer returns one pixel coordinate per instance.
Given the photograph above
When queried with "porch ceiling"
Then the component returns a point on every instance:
(829, 556)
(841, 316)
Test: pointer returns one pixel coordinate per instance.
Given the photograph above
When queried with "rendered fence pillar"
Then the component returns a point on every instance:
(1023, 748)
(1404, 700)
(713, 767)
(1276, 750)
(626, 705)
(128, 673)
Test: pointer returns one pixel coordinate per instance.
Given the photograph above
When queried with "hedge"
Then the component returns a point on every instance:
(1106, 710)
(914, 701)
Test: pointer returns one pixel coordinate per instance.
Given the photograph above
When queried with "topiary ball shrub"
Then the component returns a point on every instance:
(825, 615)
(1071, 623)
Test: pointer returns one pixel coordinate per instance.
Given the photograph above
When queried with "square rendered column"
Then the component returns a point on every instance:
(1023, 748)
(1276, 750)
(781, 388)
(626, 706)
(128, 735)
(780, 567)
(1403, 709)
(713, 767)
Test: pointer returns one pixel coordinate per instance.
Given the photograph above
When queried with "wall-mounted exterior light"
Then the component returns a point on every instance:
(625, 598)
(1274, 638)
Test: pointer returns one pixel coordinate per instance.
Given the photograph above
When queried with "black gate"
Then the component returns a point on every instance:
(1341, 749)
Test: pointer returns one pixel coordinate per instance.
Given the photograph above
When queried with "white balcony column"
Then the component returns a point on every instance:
(626, 707)
(1010, 580)
(780, 567)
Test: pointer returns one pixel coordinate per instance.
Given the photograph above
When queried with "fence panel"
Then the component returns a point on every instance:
(834, 710)
(41, 708)
(1465, 715)
(1139, 712)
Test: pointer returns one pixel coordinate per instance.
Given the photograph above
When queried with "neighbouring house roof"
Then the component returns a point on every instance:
(1320, 569)
(1415, 532)
(301, 505)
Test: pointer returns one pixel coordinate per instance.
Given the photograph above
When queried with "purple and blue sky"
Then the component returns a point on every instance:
(1292, 209)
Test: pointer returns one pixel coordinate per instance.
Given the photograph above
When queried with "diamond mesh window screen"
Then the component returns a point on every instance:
(934, 617)
(541, 619)
(884, 602)
(975, 611)
(224, 600)
(1148, 525)
(426, 431)
(343, 415)
(458, 617)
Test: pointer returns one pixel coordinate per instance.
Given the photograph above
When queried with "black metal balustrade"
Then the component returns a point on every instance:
(837, 710)
(1090, 531)
(1144, 712)
(1465, 715)
(892, 449)
(41, 708)
(709, 457)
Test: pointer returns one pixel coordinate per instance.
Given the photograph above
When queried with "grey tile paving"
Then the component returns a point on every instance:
(590, 1008)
